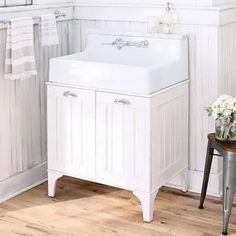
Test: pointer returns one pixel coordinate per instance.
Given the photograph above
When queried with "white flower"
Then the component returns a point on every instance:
(223, 108)
(227, 113)
(218, 106)
(224, 98)
(231, 103)
(215, 115)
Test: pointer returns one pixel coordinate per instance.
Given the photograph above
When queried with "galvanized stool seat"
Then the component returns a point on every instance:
(228, 152)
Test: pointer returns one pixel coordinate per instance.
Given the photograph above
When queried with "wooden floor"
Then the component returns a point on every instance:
(87, 209)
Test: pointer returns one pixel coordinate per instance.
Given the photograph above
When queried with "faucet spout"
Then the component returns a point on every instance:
(120, 43)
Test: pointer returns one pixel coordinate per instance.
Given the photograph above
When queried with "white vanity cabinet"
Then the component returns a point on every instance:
(118, 114)
(136, 142)
(123, 140)
(71, 131)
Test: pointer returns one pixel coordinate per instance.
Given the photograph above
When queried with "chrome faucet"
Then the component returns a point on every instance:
(120, 43)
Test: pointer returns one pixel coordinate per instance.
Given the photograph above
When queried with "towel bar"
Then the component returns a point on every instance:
(36, 19)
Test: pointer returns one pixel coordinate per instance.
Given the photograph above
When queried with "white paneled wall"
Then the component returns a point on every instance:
(23, 113)
(222, 2)
(145, 2)
(227, 59)
(195, 3)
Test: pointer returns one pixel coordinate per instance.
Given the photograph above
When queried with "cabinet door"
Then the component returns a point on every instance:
(123, 140)
(71, 131)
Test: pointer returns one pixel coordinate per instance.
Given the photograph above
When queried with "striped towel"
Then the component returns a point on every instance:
(20, 59)
(48, 30)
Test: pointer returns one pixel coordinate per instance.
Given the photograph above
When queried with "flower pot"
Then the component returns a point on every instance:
(225, 130)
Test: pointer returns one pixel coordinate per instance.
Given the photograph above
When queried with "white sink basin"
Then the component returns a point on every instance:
(140, 70)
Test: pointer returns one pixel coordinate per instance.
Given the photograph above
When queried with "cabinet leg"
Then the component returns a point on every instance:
(52, 181)
(147, 201)
(184, 180)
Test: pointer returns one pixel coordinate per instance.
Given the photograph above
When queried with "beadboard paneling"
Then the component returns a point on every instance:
(23, 108)
(155, 2)
(227, 59)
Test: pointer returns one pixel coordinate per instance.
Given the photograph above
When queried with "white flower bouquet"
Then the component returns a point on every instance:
(223, 110)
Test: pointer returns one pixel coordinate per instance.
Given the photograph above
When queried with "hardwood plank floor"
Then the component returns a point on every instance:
(86, 209)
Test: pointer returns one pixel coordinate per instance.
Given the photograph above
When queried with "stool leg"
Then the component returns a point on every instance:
(208, 163)
(229, 181)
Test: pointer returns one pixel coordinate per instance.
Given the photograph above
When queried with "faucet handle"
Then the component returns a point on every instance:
(119, 43)
(144, 43)
(116, 42)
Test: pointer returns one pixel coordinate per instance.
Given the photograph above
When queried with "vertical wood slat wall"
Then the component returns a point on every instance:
(23, 108)
(227, 59)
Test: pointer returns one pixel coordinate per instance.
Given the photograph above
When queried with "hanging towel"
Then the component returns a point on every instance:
(20, 58)
(48, 30)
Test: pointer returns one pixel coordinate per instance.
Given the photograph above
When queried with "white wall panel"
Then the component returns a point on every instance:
(23, 109)
(227, 59)
(222, 2)
(194, 3)
(156, 2)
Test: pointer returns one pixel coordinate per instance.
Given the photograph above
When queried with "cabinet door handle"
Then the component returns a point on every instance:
(122, 102)
(69, 94)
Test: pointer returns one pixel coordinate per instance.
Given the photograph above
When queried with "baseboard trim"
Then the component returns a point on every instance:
(22, 182)
(214, 186)
(37, 175)
(195, 183)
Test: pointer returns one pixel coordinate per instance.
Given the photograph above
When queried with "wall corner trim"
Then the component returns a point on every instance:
(22, 182)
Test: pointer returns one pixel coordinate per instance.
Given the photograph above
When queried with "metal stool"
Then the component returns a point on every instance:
(228, 151)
